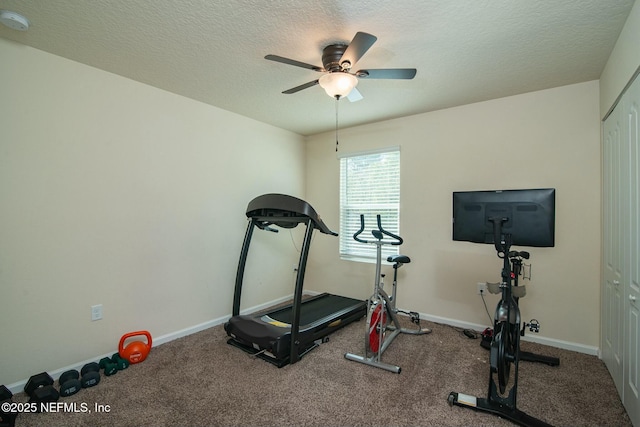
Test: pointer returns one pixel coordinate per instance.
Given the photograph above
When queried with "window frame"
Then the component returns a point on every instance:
(351, 206)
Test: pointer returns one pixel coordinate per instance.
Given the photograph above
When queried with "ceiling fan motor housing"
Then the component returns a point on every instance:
(331, 56)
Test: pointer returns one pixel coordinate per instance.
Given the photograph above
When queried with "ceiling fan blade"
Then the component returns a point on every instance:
(387, 73)
(293, 62)
(354, 95)
(359, 46)
(301, 87)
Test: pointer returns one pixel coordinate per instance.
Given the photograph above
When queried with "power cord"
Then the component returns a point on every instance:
(485, 307)
(470, 333)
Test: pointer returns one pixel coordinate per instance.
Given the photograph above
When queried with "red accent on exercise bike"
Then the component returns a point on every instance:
(376, 324)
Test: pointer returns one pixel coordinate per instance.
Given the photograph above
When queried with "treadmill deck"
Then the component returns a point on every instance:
(270, 333)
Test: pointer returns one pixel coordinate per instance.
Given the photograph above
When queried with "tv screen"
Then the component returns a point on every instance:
(528, 216)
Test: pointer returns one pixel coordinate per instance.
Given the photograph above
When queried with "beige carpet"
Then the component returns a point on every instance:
(199, 380)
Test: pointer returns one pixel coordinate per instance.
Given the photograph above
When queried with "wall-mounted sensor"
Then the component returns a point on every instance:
(14, 20)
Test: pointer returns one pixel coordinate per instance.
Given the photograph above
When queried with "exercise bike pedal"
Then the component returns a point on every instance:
(415, 317)
(533, 325)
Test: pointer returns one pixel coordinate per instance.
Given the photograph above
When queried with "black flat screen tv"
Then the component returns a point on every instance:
(527, 216)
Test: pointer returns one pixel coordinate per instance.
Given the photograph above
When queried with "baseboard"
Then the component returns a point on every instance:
(552, 342)
(18, 387)
(566, 345)
(215, 322)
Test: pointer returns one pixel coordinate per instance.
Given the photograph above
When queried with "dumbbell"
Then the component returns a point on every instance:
(90, 375)
(69, 383)
(119, 361)
(40, 389)
(6, 418)
(5, 394)
(109, 367)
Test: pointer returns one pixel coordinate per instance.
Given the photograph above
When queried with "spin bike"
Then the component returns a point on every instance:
(518, 292)
(383, 325)
(505, 345)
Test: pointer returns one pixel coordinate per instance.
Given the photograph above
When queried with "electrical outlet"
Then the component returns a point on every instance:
(96, 312)
(481, 288)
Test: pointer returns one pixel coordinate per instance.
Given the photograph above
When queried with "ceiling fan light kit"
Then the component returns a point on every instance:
(14, 20)
(338, 84)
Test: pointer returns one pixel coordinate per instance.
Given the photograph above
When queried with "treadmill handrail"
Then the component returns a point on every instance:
(285, 211)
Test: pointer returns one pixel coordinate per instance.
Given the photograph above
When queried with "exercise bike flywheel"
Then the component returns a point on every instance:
(377, 323)
(503, 349)
(502, 364)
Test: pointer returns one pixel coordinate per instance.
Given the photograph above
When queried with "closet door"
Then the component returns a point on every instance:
(613, 289)
(631, 158)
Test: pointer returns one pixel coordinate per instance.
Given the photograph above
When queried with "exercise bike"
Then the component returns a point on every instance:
(505, 345)
(517, 262)
(383, 325)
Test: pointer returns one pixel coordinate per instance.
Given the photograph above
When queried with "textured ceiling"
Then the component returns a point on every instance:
(213, 51)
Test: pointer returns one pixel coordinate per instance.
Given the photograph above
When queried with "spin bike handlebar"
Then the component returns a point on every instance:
(378, 234)
(521, 254)
(502, 242)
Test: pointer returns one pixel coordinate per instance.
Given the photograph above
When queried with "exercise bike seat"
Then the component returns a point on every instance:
(400, 259)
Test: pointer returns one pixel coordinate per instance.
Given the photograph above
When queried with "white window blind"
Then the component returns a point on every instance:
(369, 185)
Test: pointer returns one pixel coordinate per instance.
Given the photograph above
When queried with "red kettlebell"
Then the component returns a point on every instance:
(136, 351)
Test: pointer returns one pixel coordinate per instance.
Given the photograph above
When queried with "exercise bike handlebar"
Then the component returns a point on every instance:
(502, 242)
(521, 254)
(378, 234)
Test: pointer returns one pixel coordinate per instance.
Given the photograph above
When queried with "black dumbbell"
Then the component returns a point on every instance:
(40, 389)
(6, 418)
(69, 383)
(36, 381)
(44, 394)
(5, 394)
(120, 362)
(109, 367)
(90, 375)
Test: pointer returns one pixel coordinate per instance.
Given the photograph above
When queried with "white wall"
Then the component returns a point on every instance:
(548, 138)
(116, 193)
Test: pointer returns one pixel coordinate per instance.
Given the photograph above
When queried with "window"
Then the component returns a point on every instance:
(369, 185)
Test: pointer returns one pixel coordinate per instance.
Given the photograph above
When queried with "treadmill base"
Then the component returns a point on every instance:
(271, 333)
(262, 354)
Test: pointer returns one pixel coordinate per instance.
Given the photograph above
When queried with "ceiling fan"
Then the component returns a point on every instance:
(338, 60)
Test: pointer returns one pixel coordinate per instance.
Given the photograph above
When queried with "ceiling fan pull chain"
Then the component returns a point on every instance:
(337, 100)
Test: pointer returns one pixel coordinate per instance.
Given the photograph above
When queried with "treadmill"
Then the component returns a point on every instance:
(284, 335)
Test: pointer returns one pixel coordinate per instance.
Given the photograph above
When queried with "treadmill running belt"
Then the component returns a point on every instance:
(315, 309)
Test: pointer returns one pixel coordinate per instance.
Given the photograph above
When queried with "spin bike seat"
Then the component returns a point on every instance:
(400, 259)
